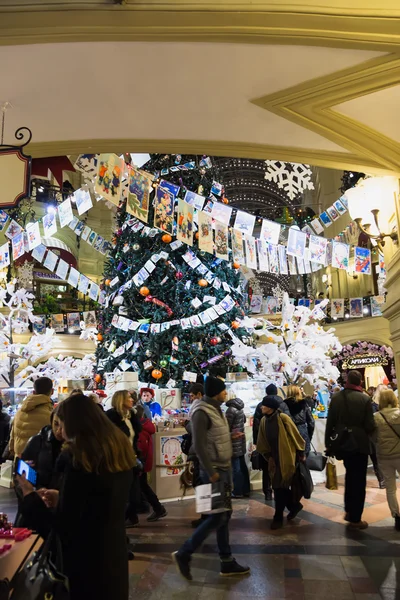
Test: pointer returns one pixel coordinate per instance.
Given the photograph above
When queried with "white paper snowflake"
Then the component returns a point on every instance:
(278, 293)
(293, 178)
(25, 275)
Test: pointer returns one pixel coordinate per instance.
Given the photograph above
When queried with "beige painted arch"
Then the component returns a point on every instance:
(374, 329)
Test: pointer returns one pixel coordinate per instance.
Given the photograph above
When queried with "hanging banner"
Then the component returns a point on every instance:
(139, 188)
(206, 242)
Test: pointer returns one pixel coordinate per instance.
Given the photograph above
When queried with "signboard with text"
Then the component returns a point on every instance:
(362, 361)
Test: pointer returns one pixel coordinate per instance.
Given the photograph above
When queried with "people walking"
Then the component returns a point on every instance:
(213, 447)
(350, 418)
(88, 513)
(387, 422)
(300, 414)
(271, 391)
(236, 420)
(374, 394)
(282, 446)
(145, 445)
(34, 414)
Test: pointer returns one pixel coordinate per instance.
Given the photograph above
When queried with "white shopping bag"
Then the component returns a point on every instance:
(213, 498)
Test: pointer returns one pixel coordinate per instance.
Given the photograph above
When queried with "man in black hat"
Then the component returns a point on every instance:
(271, 392)
(213, 447)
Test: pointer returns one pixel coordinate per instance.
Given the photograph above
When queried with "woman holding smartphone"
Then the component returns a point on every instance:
(88, 513)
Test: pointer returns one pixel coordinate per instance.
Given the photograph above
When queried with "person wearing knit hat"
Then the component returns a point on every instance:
(271, 391)
(151, 407)
(281, 445)
(212, 443)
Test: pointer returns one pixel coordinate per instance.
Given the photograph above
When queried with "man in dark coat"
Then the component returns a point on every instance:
(237, 419)
(271, 391)
(352, 408)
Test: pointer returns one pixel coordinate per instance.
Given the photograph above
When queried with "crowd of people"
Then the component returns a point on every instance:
(92, 467)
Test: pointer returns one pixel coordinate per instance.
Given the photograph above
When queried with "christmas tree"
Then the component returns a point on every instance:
(172, 310)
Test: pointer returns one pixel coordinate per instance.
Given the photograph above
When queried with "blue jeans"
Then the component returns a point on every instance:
(241, 479)
(214, 522)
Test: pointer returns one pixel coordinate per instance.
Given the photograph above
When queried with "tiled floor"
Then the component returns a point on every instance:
(314, 558)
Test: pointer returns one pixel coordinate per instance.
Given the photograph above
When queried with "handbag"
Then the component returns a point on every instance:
(302, 485)
(342, 441)
(316, 461)
(255, 460)
(331, 477)
(40, 578)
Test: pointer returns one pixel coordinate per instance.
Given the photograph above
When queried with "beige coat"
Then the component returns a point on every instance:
(34, 414)
(387, 442)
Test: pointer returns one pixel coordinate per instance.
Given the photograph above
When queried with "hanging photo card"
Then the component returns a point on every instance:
(206, 242)
(332, 212)
(377, 303)
(362, 260)
(340, 255)
(307, 229)
(49, 224)
(325, 218)
(300, 266)
(317, 249)
(270, 305)
(72, 225)
(292, 265)
(73, 322)
(244, 222)
(221, 241)
(65, 213)
(237, 247)
(296, 243)
(5, 255)
(164, 210)
(172, 188)
(337, 308)
(110, 168)
(340, 208)
(98, 243)
(18, 245)
(85, 233)
(184, 231)
(33, 232)
(221, 212)
(73, 277)
(262, 251)
(283, 266)
(256, 304)
(194, 199)
(270, 232)
(139, 188)
(83, 284)
(316, 225)
(62, 269)
(39, 252)
(273, 258)
(50, 261)
(13, 229)
(57, 323)
(356, 307)
(83, 201)
(251, 257)
(39, 326)
(3, 219)
(91, 238)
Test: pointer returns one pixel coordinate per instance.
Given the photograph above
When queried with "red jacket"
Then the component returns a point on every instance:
(145, 443)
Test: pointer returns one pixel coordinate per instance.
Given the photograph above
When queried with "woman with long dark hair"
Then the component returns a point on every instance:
(89, 509)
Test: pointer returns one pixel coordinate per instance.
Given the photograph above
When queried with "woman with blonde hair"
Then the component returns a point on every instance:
(300, 413)
(387, 434)
(124, 417)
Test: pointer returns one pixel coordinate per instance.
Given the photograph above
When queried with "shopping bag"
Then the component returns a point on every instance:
(212, 498)
(316, 461)
(331, 477)
(255, 460)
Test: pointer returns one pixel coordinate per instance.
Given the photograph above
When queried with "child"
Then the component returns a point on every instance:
(145, 446)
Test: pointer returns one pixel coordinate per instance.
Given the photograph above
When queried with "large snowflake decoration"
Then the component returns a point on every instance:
(25, 275)
(278, 293)
(293, 178)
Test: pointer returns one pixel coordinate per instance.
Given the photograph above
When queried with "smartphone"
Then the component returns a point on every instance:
(24, 468)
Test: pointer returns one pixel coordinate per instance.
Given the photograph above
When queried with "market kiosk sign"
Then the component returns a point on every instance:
(15, 170)
(361, 361)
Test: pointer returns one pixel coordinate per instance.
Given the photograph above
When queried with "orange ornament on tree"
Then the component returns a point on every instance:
(107, 281)
(236, 265)
(225, 200)
(203, 282)
(98, 378)
(99, 337)
(144, 291)
(197, 235)
(166, 238)
(235, 324)
(156, 373)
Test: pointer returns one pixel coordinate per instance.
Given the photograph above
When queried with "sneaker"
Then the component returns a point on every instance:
(232, 567)
(359, 525)
(131, 556)
(132, 522)
(157, 514)
(182, 562)
(277, 524)
(294, 512)
(268, 496)
(397, 523)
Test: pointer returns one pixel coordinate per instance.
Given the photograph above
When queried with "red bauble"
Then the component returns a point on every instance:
(179, 275)
(214, 341)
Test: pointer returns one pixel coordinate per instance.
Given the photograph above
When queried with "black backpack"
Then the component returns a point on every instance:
(186, 443)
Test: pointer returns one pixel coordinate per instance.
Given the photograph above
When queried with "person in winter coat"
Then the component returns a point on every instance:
(236, 420)
(122, 415)
(4, 429)
(374, 394)
(43, 450)
(89, 509)
(300, 414)
(151, 407)
(145, 445)
(282, 446)
(34, 414)
(387, 437)
(271, 391)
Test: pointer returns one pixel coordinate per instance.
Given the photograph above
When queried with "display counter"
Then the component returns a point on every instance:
(19, 553)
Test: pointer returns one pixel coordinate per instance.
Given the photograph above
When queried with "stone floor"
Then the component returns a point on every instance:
(314, 558)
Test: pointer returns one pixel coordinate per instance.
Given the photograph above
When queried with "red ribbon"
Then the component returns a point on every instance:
(159, 303)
